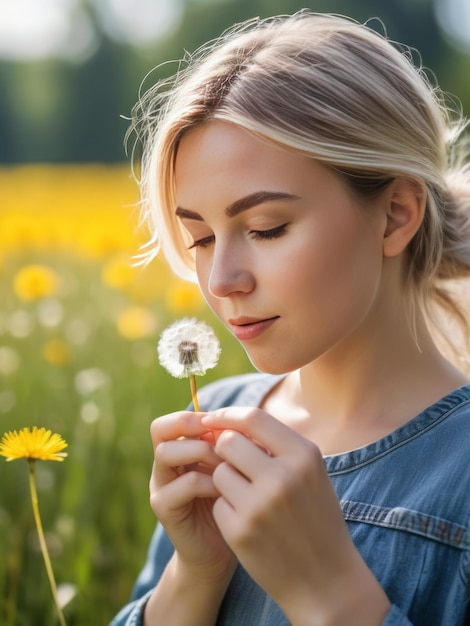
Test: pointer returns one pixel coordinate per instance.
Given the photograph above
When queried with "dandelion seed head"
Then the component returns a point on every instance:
(188, 347)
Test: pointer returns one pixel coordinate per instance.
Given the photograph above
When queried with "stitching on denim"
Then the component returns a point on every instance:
(464, 572)
(136, 618)
(407, 520)
(435, 420)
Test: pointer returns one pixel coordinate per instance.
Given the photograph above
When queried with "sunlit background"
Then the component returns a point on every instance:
(78, 323)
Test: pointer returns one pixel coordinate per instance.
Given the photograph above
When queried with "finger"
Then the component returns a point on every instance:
(168, 500)
(175, 425)
(276, 437)
(212, 436)
(171, 455)
(231, 484)
(226, 518)
(243, 454)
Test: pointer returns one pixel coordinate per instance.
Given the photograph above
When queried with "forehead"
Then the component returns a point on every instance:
(213, 144)
(221, 158)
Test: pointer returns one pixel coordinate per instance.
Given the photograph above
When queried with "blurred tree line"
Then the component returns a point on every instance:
(60, 111)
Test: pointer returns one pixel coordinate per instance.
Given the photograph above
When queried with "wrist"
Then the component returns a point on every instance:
(187, 595)
(355, 599)
(213, 575)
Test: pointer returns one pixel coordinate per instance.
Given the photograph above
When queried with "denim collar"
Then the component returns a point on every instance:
(253, 394)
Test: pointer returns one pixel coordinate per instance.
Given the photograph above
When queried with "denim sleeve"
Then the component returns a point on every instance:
(395, 617)
(159, 553)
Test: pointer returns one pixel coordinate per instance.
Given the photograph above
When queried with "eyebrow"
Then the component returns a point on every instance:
(243, 204)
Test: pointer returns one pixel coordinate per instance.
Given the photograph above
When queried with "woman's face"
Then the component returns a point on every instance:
(285, 256)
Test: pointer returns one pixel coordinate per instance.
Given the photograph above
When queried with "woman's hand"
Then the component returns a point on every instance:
(182, 494)
(278, 512)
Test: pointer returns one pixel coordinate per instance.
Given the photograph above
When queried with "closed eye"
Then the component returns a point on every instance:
(271, 233)
(204, 242)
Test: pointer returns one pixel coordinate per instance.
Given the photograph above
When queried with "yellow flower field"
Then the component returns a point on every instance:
(86, 209)
(79, 326)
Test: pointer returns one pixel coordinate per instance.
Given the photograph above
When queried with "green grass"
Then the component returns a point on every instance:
(94, 505)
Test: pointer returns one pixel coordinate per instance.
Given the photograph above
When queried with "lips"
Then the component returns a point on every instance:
(249, 328)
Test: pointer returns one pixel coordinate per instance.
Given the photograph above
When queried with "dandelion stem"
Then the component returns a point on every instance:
(192, 382)
(42, 539)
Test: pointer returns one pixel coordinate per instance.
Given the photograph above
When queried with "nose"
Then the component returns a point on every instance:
(230, 273)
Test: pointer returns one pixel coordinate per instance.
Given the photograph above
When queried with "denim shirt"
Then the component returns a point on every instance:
(405, 499)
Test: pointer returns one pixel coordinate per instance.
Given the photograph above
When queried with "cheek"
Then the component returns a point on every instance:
(203, 273)
(340, 273)
(215, 304)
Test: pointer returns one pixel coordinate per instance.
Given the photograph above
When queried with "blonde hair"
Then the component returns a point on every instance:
(332, 89)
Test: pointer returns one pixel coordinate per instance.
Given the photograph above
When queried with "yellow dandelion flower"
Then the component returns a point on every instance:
(34, 282)
(184, 297)
(118, 273)
(136, 322)
(33, 445)
(57, 352)
(37, 443)
(19, 231)
(99, 243)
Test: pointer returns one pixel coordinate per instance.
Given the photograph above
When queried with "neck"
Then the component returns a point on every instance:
(363, 390)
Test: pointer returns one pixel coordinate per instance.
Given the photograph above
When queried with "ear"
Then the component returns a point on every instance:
(406, 201)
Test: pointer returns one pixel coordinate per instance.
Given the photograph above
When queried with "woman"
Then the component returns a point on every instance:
(311, 179)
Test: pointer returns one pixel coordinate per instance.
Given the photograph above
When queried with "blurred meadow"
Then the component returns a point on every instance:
(78, 332)
(79, 323)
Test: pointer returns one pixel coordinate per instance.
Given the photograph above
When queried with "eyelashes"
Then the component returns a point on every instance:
(202, 243)
(271, 233)
(258, 235)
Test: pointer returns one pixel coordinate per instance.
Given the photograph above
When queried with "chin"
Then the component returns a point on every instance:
(272, 367)
(279, 364)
